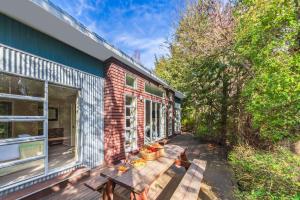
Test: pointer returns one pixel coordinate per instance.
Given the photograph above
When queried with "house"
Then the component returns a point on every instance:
(70, 99)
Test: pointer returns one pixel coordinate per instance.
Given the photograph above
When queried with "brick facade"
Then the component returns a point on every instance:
(114, 108)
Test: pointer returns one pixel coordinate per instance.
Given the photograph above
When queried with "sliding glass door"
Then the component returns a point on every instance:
(22, 143)
(62, 126)
(154, 121)
(38, 123)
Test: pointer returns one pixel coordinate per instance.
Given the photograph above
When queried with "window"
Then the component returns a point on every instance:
(24, 104)
(152, 89)
(22, 143)
(130, 81)
(5, 127)
(21, 86)
(130, 124)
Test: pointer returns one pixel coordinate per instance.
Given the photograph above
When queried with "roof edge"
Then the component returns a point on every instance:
(67, 18)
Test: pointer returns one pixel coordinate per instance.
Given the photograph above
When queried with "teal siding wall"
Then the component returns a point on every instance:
(25, 38)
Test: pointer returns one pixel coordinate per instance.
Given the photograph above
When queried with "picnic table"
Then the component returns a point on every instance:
(139, 180)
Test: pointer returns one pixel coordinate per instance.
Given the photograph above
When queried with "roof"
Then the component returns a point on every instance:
(46, 17)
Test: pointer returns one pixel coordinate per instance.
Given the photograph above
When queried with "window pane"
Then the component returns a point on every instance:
(158, 119)
(128, 112)
(130, 123)
(16, 108)
(127, 123)
(21, 86)
(148, 118)
(130, 81)
(12, 152)
(152, 89)
(21, 172)
(20, 129)
(153, 120)
(130, 140)
(129, 101)
(170, 120)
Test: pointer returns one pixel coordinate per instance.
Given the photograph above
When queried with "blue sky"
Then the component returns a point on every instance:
(130, 25)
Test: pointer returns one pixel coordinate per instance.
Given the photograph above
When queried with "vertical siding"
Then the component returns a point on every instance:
(91, 97)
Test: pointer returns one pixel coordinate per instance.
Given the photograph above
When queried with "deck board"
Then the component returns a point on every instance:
(79, 191)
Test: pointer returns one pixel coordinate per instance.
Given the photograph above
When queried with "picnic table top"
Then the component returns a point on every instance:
(138, 179)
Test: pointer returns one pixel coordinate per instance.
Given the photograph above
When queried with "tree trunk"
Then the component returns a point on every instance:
(224, 110)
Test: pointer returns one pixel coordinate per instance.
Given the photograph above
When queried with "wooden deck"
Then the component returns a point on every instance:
(168, 181)
(215, 175)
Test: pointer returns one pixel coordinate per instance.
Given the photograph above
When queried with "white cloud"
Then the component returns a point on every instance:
(149, 47)
(129, 25)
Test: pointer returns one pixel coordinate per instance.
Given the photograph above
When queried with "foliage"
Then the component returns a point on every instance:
(204, 67)
(267, 37)
(239, 65)
(266, 175)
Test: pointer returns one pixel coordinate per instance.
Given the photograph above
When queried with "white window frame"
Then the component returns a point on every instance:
(134, 128)
(162, 90)
(44, 137)
(162, 125)
(170, 119)
(134, 83)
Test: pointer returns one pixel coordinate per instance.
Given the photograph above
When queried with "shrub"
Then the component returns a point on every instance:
(266, 175)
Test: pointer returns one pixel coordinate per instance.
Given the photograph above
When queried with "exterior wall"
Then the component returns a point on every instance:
(91, 135)
(25, 38)
(114, 108)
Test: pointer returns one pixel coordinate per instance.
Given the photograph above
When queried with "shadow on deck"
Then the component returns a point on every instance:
(218, 176)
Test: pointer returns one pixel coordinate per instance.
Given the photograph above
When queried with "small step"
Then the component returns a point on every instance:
(39, 190)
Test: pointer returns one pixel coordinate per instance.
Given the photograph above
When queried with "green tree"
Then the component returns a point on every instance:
(203, 65)
(267, 36)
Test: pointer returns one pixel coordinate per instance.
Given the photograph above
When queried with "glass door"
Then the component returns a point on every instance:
(170, 120)
(148, 132)
(62, 126)
(163, 121)
(130, 124)
(154, 122)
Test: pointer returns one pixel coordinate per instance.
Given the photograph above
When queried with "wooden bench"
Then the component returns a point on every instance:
(96, 183)
(189, 187)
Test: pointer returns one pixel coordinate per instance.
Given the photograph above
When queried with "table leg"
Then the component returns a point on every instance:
(108, 193)
(185, 162)
(142, 196)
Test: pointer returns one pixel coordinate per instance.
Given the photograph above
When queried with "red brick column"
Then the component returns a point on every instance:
(114, 121)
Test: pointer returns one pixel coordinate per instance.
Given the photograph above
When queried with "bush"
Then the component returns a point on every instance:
(266, 175)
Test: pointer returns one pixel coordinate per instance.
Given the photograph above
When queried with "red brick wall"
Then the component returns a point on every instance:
(114, 108)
